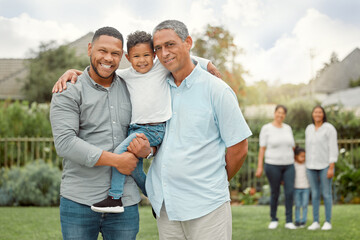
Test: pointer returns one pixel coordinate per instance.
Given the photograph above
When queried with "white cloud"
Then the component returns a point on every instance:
(248, 13)
(289, 59)
(24, 32)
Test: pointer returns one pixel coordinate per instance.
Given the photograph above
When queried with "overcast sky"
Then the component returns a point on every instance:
(277, 36)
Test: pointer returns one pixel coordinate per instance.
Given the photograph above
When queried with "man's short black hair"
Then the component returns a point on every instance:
(139, 37)
(108, 31)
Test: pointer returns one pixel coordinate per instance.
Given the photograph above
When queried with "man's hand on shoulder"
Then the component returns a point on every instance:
(70, 75)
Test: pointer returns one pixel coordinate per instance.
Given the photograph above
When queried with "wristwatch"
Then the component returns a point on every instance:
(151, 154)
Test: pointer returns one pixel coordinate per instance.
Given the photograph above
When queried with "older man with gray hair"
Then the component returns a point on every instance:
(205, 144)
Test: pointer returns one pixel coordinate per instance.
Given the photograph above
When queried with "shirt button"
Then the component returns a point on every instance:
(114, 122)
(114, 137)
(111, 106)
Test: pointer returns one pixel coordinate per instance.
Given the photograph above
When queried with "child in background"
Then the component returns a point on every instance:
(302, 188)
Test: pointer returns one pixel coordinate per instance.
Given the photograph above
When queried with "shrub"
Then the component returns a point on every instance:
(35, 184)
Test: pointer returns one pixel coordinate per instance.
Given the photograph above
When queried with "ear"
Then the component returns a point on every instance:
(89, 49)
(127, 57)
(188, 41)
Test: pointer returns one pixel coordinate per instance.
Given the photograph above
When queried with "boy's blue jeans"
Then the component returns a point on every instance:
(320, 184)
(79, 222)
(155, 135)
(301, 197)
(276, 174)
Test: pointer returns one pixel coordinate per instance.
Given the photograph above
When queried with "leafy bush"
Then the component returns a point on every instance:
(35, 184)
(347, 180)
(21, 119)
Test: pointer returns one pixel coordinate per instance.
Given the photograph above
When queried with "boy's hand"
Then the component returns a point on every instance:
(213, 70)
(69, 75)
(140, 146)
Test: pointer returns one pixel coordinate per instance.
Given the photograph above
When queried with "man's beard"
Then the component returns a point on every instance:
(97, 72)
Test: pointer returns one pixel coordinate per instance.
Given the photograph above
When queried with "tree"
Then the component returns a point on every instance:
(217, 45)
(49, 63)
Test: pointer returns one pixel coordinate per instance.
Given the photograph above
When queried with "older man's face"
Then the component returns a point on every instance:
(172, 52)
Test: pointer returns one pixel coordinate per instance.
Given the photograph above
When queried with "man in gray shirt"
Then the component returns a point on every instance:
(88, 122)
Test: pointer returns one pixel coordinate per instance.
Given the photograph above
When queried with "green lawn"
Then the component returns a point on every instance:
(249, 222)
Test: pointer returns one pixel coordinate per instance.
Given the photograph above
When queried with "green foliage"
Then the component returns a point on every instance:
(35, 184)
(346, 123)
(20, 119)
(217, 44)
(355, 83)
(50, 63)
(347, 179)
(261, 93)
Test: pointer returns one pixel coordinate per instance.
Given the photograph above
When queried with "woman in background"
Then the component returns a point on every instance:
(277, 145)
(321, 155)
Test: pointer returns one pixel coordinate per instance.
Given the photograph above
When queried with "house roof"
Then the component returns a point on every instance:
(12, 73)
(338, 75)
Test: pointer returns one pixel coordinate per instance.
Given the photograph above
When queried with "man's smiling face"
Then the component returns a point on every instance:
(105, 55)
(171, 50)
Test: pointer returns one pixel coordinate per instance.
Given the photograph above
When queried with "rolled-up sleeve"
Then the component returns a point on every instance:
(64, 117)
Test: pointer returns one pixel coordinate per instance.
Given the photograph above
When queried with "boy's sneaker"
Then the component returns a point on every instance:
(297, 224)
(108, 205)
(326, 226)
(273, 224)
(290, 225)
(314, 226)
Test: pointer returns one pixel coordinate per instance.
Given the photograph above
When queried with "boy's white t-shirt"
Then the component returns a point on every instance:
(150, 92)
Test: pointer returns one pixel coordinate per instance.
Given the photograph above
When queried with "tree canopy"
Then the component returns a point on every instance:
(48, 64)
(217, 44)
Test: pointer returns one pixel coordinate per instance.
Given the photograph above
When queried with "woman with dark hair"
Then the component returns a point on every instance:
(321, 155)
(277, 144)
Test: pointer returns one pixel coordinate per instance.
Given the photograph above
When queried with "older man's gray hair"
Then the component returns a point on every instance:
(179, 28)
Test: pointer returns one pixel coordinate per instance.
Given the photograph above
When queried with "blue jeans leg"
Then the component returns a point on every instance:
(326, 185)
(79, 222)
(273, 174)
(301, 197)
(305, 203)
(289, 179)
(117, 178)
(313, 177)
(298, 201)
(155, 134)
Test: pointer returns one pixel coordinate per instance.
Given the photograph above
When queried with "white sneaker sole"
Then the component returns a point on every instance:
(107, 209)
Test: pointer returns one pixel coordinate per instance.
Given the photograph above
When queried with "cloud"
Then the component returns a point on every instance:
(289, 59)
(248, 13)
(24, 33)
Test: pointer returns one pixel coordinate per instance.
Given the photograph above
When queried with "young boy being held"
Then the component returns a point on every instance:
(302, 188)
(151, 108)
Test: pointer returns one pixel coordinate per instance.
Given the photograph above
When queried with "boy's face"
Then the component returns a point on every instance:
(141, 57)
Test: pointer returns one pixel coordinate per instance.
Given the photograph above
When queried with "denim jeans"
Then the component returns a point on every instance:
(276, 174)
(301, 197)
(320, 184)
(79, 222)
(155, 135)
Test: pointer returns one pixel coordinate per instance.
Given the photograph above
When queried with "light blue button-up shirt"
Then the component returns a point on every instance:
(188, 173)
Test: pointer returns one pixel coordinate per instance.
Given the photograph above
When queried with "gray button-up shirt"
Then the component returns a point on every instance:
(87, 119)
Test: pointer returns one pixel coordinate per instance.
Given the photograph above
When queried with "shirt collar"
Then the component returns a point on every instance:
(189, 80)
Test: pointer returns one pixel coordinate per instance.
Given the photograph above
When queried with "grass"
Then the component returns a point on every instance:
(249, 222)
